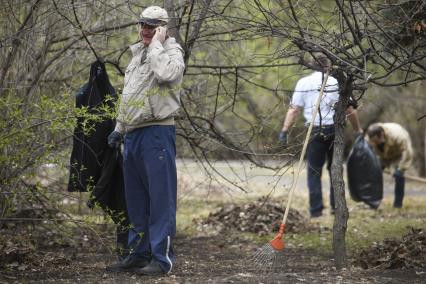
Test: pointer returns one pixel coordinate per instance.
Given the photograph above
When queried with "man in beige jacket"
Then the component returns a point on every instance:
(145, 121)
(392, 144)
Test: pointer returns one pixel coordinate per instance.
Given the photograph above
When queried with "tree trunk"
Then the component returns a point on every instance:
(422, 162)
(173, 28)
(341, 213)
(423, 172)
(2, 207)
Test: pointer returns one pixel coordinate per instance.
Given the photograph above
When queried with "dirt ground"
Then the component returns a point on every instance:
(217, 259)
(37, 254)
(30, 254)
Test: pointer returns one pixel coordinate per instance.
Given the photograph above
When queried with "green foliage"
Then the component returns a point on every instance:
(37, 92)
(30, 132)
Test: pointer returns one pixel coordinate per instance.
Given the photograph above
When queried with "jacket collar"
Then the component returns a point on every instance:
(136, 48)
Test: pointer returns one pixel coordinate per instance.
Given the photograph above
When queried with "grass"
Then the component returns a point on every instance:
(191, 209)
(365, 226)
(199, 196)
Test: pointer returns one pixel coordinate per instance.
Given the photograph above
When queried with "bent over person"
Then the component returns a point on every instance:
(320, 147)
(145, 121)
(392, 144)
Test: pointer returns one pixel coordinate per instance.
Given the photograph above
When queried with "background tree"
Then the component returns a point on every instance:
(368, 42)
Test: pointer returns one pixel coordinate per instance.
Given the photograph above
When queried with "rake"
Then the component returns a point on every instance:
(268, 255)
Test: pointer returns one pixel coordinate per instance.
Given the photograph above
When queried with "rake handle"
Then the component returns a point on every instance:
(305, 146)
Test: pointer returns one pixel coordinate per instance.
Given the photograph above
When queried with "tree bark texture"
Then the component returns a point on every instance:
(423, 172)
(173, 27)
(341, 212)
(188, 42)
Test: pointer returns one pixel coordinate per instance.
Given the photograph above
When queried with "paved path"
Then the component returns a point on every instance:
(259, 181)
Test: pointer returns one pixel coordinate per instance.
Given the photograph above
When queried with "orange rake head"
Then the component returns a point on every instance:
(277, 243)
(268, 255)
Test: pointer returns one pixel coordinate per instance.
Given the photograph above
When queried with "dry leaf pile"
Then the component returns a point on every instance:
(261, 217)
(409, 252)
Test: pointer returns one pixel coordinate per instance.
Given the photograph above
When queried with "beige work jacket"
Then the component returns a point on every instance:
(397, 149)
(151, 85)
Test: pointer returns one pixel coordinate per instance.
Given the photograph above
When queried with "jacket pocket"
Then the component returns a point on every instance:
(140, 77)
(165, 103)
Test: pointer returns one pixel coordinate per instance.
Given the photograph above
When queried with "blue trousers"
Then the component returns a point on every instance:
(151, 186)
(320, 149)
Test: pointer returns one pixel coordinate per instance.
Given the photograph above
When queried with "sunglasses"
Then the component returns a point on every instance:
(151, 23)
(150, 27)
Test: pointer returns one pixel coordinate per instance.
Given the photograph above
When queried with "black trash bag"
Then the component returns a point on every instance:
(365, 177)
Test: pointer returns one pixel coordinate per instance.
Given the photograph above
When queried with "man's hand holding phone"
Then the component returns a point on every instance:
(160, 34)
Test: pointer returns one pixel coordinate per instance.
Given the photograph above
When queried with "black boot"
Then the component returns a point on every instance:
(152, 269)
(129, 264)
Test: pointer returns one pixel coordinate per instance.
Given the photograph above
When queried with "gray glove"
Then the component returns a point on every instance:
(283, 138)
(115, 139)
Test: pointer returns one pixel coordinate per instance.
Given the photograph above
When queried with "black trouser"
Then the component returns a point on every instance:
(319, 149)
(399, 191)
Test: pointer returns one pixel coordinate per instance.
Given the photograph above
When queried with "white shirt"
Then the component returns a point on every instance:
(306, 94)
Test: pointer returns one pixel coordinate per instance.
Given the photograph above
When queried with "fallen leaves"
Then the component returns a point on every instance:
(261, 217)
(409, 252)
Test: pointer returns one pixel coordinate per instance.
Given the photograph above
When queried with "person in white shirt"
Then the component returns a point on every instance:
(320, 147)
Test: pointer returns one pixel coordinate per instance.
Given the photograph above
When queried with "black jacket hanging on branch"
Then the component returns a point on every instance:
(94, 166)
